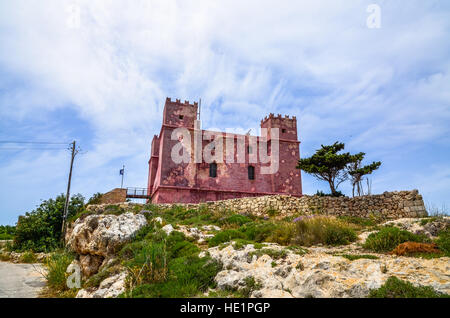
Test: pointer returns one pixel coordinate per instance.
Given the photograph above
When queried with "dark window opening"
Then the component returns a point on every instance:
(251, 173)
(283, 130)
(181, 116)
(213, 170)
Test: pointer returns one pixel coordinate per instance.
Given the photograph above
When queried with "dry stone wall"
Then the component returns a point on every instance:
(389, 205)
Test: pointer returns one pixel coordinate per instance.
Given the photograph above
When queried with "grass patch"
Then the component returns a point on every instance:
(360, 221)
(390, 237)
(443, 242)
(352, 257)
(397, 288)
(28, 257)
(273, 253)
(323, 230)
(225, 236)
(56, 274)
(166, 266)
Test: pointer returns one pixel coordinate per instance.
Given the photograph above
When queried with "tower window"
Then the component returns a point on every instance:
(283, 130)
(181, 116)
(251, 173)
(213, 170)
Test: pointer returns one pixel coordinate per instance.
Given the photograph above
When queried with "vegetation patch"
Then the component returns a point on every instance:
(443, 242)
(7, 232)
(353, 257)
(273, 253)
(397, 288)
(56, 274)
(226, 236)
(167, 266)
(360, 221)
(40, 230)
(390, 237)
(414, 248)
(323, 230)
(28, 257)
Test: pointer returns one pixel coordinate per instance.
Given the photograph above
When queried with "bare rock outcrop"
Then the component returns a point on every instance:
(98, 237)
(321, 274)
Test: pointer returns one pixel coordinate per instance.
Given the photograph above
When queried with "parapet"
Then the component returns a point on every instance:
(178, 101)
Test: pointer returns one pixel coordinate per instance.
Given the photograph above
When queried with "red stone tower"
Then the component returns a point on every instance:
(194, 182)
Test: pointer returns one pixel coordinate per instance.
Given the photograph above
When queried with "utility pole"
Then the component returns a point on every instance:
(66, 205)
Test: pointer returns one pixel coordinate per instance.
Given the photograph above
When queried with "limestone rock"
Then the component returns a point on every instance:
(111, 287)
(102, 235)
(319, 273)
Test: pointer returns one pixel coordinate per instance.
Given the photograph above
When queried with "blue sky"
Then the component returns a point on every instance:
(102, 79)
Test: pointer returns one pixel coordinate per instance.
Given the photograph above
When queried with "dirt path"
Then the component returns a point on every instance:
(20, 280)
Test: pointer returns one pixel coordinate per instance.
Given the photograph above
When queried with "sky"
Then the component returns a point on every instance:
(98, 72)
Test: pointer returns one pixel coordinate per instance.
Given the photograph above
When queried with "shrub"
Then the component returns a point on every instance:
(28, 257)
(282, 234)
(95, 199)
(414, 248)
(390, 237)
(323, 230)
(225, 236)
(443, 242)
(40, 230)
(396, 288)
(7, 232)
(237, 219)
(364, 222)
(56, 266)
(258, 232)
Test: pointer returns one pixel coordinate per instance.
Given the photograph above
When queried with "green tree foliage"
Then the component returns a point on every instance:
(40, 229)
(7, 232)
(357, 172)
(95, 199)
(328, 165)
(334, 167)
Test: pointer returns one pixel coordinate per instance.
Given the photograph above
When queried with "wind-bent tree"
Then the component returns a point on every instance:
(357, 172)
(328, 165)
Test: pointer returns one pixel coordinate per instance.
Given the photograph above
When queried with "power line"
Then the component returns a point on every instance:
(33, 142)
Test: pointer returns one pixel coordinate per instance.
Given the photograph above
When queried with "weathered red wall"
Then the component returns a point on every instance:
(190, 182)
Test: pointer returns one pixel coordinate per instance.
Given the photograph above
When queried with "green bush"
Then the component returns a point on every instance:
(7, 232)
(323, 230)
(167, 266)
(390, 237)
(226, 236)
(237, 219)
(396, 288)
(95, 199)
(28, 257)
(56, 266)
(364, 222)
(258, 232)
(40, 230)
(443, 242)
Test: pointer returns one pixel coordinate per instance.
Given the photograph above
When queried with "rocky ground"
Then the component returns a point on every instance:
(275, 271)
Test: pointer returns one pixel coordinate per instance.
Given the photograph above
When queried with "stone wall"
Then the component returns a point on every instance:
(389, 205)
(114, 196)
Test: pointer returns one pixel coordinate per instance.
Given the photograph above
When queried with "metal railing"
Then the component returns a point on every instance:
(137, 193)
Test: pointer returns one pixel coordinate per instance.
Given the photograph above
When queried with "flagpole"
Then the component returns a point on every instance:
(123, 172)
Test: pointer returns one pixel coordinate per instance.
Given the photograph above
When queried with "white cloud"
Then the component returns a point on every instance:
(376, 89)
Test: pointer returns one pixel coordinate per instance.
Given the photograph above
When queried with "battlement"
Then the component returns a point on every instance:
(178, 101)
(278, 117)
